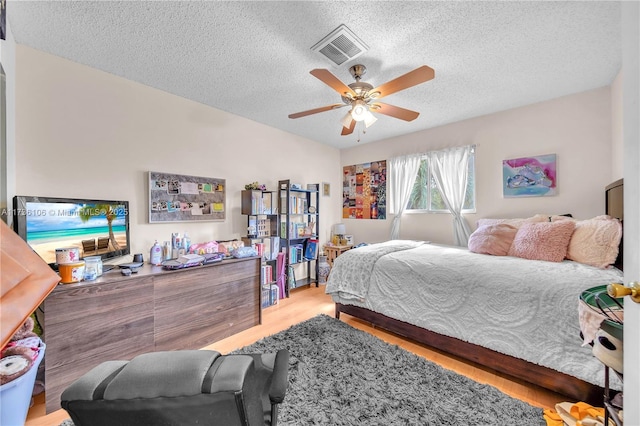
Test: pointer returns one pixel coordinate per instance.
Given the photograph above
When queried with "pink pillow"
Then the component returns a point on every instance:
(596, 241)
(543, 241)
(492, 239)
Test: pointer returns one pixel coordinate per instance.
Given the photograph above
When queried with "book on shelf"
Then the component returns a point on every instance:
(259, 248)
(266, 297)
(261, 202)
(270, 295)
(267, 203)
(297, 205)
(266, 249)
(275, 294)
(299, 230)
(311, 252)
(275, 247)
(266, 274)
(296, 252)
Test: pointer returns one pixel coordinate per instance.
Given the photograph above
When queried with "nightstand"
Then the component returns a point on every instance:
(334, 251)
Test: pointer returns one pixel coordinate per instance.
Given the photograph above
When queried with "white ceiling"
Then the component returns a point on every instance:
(252, 58)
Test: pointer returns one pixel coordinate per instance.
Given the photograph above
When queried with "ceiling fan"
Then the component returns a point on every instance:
(362, 97)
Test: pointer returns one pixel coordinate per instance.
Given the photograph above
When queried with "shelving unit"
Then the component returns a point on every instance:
(299, 221)
(261, 209)
(611, 411)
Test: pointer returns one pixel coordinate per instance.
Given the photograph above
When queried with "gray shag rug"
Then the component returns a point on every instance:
(339, 375)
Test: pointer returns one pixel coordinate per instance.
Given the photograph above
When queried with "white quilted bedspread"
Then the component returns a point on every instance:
(524, 308)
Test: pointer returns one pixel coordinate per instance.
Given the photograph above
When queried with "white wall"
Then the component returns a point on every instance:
(7, 157)
(617, 140)
(577, 128)
(83, 133)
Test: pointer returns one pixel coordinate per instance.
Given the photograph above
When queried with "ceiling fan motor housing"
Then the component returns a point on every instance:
(361, 90)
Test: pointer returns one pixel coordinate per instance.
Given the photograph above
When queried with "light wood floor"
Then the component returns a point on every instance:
(306, 303)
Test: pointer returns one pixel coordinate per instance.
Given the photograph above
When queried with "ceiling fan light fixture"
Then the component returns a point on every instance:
(369, 119)
(359, 110)
(346, 120)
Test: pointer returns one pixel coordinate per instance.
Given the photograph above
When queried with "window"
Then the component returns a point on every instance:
(425, 196)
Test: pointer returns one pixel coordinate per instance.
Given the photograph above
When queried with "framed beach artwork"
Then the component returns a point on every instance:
(529, 176)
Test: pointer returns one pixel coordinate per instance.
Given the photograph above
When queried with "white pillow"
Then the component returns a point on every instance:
(595, 241)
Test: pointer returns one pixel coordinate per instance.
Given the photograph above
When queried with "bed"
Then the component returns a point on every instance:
(515, 315)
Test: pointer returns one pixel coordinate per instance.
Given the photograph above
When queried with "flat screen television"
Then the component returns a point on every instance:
(95, 227)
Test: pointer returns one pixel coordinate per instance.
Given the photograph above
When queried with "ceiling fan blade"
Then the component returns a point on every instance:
(394, 111)
(316, 110)
(410, 79)
(348, 130)
(332, 81)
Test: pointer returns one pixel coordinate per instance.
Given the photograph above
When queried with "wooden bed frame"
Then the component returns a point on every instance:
(520, 369)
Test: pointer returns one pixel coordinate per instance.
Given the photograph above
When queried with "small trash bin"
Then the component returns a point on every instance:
(15, 396)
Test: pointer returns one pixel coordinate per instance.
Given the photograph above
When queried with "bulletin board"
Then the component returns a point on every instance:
(364, 191)
(182, 198)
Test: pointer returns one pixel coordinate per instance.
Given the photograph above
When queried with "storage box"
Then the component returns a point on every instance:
(15, 396)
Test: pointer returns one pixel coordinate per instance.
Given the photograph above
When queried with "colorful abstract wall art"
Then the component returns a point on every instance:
(364, 190)
(529, 176)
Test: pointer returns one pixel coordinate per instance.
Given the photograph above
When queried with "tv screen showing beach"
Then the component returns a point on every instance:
(96, 228)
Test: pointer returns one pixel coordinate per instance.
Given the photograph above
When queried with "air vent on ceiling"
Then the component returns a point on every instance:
(340, 46)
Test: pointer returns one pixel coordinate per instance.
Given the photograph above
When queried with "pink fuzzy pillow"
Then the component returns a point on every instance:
(596, 241)
(492, 239)
(543, 241)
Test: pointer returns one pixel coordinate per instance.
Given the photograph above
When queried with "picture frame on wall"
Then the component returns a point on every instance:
(326, 189)
(534, 176)
(364, 189)
(183, 198)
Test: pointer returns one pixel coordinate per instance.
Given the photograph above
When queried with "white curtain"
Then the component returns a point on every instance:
(402, 175)
(450, 168)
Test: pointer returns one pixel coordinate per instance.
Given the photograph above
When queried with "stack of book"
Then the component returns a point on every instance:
(266, 274)
(296, 252)
(270, 295)
(261, 203)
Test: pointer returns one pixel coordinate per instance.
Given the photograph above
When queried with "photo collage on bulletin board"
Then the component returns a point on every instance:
(184, 198)
(365, 191)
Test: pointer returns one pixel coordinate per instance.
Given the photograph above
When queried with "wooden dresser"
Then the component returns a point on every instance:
(118, 317)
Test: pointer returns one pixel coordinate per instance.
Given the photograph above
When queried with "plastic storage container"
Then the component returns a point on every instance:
(98, 261)
(15, 396)
(90, 269)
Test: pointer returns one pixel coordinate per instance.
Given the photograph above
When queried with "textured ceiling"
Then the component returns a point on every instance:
(252, 58)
